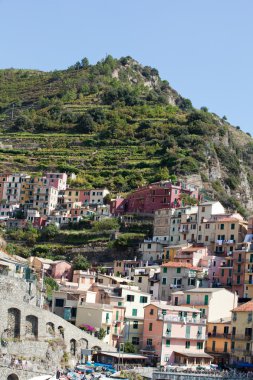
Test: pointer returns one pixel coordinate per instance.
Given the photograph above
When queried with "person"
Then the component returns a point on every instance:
(58, 374)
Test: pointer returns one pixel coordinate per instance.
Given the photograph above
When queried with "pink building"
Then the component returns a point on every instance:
(117, 206)
(57, 180)
(192, 255)
(148, 199)
(84, 197)
(85, 279)
(212, 263)
(174, 335)
(61, 269)
(118, 317)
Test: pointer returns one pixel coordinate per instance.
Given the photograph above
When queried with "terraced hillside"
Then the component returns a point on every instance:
(117, 124)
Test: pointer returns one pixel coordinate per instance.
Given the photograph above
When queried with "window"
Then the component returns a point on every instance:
(178, 270)
(188, 331)
(206, 238)
(168, 330)
(59, 302)
(164, 281)
(207, 226)
(213, 345)
(232, 226)
(143, 299)
(149, 246)
(140, 280)
(199, 345)
(187, 344)
(135, 324)
(164, 270)
(203, 209)
(226, 329)
(135, 340)
(206, 300)
(222, 226)
(134, 312)
(149, 342)
(167, 343)
(232, 345)
(225, 346)
(188, 299)
(130, 298)
(150, 327)
(151, 312)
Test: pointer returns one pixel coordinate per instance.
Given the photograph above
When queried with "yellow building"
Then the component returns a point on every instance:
(242, 323)
(218, 343)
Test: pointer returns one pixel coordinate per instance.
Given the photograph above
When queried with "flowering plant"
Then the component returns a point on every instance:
(87, 328)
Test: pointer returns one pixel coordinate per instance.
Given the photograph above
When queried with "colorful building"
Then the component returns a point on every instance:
(174, 335)
(218, 343)
(242, 323)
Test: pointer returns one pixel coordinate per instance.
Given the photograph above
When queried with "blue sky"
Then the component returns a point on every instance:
(202, 47)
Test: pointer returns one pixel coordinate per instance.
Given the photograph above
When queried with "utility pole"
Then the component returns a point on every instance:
(42, 288)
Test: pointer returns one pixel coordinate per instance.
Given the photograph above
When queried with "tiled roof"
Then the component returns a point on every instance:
(227, 219)
(248, 306)
(172, 264)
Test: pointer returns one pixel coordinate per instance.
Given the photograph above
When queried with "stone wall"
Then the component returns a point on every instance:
(31, 334)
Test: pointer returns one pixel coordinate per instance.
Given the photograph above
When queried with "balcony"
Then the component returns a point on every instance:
(240, 337)
(185, 320)
(219, 335)
(148, 349)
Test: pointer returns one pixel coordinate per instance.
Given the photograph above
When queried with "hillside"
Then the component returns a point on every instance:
(117, 124)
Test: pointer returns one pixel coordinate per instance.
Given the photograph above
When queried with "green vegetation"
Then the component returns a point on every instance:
(115, 124)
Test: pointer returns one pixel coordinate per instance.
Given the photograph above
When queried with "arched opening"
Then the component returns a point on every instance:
(95, 349)
(61, 332)
(50, 329)
(13, 376)
(14, 316)
(83, 343)
(73, 347)
(31, 327)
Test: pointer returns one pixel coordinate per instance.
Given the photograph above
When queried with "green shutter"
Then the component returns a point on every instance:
(188, 331)
(206, 300)
(117, 315)
(188, 299)
(134, 312)
(167, 343)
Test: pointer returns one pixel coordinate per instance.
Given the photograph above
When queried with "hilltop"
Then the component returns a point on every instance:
(118, 124)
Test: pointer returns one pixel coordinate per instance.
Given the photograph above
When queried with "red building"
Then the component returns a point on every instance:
(163, 194)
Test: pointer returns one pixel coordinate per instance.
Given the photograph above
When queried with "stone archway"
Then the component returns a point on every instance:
(73, 347)
(61, 332)
(13, 376)
(83, 343)
(50, 329)
(14, 317)
(31, 327)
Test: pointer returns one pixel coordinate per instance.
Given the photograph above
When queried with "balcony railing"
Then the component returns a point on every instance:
(219, 335)
(177, 319)
(240, 337)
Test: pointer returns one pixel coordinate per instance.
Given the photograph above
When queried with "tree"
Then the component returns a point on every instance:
(101, 333)
(49, 232)
(85, 63)
(204, 109)
(80, 263)
(129, 348)
(85, 123)
(107, 199)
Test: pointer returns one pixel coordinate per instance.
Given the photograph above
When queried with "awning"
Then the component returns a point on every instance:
(122, 355)
(194, 355)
